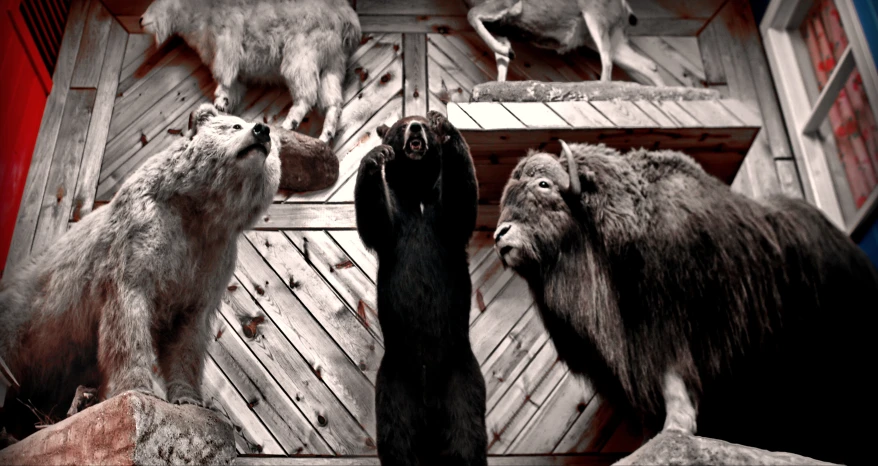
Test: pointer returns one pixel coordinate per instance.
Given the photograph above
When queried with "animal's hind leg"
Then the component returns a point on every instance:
(302, 76)
(601, 36)
(631, 60)
(503, 60)
(396, 416)
(330, 99)
(464, 407)
(679, 407)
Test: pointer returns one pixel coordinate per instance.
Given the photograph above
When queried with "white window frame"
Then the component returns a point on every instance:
(818, 169)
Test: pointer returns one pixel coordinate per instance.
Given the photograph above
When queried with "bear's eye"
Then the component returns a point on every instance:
(236, 127)
(544, 184)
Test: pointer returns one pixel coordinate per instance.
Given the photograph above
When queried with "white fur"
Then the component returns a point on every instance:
(304, 44)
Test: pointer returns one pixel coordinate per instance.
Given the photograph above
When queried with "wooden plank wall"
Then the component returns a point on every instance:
(296, 343)
(735, 63)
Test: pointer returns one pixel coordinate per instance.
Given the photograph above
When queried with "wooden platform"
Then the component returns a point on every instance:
(296, 340)
(717, 133)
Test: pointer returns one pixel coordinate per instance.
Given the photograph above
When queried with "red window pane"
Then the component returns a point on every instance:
(825, 38)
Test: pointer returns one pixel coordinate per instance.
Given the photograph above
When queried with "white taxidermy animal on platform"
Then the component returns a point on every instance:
(562, 25)
(304, 44)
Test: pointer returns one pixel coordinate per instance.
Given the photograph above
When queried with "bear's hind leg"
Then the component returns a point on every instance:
(464, 402)
(396, 415)
(302, 76)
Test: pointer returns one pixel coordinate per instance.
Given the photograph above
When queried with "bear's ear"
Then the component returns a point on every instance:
(199, 116)
(382, 131)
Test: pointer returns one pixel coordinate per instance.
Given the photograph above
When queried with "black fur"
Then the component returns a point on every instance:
(430, 393)
(765, 308)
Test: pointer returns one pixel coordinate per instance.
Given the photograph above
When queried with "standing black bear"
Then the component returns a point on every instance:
(416, 203)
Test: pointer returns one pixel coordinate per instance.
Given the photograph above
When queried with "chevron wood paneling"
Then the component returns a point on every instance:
(296, 342)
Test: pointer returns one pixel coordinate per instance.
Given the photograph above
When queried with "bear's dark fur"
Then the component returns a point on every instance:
(416, 203)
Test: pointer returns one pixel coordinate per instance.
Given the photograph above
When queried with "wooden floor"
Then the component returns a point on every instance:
(297, 342)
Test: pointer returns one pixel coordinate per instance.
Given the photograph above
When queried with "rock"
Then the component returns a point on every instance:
(538, 91)
(131, 428)
(674, 448)
(307, 164)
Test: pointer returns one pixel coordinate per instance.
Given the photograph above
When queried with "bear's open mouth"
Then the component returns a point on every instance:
(255, 147)
(415, 148)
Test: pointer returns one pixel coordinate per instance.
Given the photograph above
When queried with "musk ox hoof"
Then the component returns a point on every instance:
(188, 400)
(85, 397)
(307, 164)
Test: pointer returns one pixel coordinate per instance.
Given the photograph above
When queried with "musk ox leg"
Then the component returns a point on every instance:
(182, 358)
(679, 407)
(85, 397)
(600, 33)
(372, 199)
(302, 76)
(126, 354)
(632, 61)
(464, 406)
(460, 189)
(331, 99)
(396, 415)
(494, 10)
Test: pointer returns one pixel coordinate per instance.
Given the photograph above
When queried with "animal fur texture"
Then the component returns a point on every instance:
(416, 204)
(563, 26)
(126, 294)
(304, 44)
(744, 320)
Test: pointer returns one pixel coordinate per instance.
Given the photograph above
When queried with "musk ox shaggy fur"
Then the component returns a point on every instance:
(126, 294)
(745, 320)
(304, 44)
(416, 203)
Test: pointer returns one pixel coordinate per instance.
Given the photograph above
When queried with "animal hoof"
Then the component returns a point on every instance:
(85, 397)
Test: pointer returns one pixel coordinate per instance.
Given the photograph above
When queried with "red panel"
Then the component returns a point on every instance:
(23, 100)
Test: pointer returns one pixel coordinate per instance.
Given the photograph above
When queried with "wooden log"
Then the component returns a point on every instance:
(538, 91)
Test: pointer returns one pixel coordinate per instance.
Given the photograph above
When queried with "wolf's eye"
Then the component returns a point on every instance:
(236, 127)
(544, 184)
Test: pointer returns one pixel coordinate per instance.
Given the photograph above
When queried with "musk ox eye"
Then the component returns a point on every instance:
(544, 184)
(236, 127)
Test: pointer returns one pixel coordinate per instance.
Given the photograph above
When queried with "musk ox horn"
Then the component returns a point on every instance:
(572, 169)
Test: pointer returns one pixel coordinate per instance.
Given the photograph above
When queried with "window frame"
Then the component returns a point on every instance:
(818, 168)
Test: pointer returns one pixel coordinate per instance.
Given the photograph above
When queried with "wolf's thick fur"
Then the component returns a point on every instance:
(674, 294)
(304, 44)
(127, 292)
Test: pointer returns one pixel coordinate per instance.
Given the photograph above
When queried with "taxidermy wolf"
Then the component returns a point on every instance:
(304, 44)
(562, 25)
(745, 320)
(122, 300)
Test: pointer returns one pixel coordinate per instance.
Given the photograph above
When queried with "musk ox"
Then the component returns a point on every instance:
(563, 26)
(126, 294)
(739, 319)
(304, 44)
(416, 203)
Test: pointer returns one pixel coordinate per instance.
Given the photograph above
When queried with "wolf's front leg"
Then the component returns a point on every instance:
(227, 97)
(126, 355)
(679, 406)
(182, 358)
(372, 198)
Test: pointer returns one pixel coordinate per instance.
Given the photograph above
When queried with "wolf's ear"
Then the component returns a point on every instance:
(199, 116)
(382, 131)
